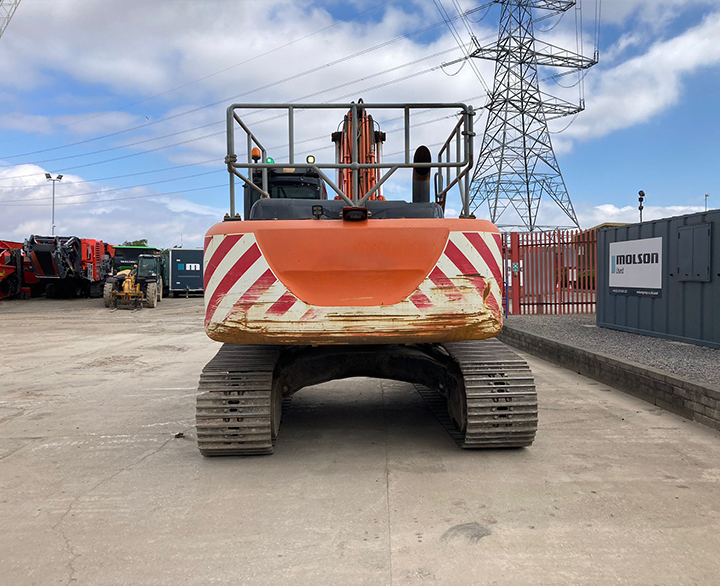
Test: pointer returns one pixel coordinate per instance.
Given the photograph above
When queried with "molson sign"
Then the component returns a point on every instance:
(636, 267)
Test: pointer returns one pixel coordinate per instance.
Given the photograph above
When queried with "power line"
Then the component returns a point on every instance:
(458, 40)
(356, 80)
(486, 7)
(553, 26)
(85, 203)
(209, 75)
(138, 154)
(424, 123)
(119, 147)
(206, 162)
(370, 88)
(305, 97)
(4, 201)
(218, 133)
(233, 97)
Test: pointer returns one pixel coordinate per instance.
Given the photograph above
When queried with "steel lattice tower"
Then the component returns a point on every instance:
(516, 165)
(7, 9)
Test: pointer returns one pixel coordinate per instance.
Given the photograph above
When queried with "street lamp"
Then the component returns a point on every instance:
(641, 193)
(707, 197)
(54, 181)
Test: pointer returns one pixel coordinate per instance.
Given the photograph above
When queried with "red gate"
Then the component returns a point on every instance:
(550, 272)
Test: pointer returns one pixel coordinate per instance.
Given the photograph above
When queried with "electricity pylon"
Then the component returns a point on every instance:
(516, 165)
(7, 9)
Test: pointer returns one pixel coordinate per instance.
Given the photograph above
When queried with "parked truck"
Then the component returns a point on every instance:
(186, 271)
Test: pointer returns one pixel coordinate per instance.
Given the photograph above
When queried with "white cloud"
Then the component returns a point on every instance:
(130, 58)
(600, 214)
(626, 41)
(452, 213)
(183, 205)
(26, 122)
(78, 124)
(656, 13)
(640, 88)
(49, 47)
(163, 220)
(589, 215)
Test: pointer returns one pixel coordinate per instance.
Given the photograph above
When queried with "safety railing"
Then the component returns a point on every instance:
(457, 150)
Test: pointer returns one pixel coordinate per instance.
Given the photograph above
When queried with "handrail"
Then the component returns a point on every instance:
(460, 162)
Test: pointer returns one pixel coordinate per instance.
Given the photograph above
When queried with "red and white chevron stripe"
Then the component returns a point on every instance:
(464, 290)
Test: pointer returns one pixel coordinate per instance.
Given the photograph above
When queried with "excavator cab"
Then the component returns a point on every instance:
(356, 285)
(289, 183)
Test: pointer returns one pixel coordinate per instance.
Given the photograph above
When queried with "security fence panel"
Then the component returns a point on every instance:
(550, 272)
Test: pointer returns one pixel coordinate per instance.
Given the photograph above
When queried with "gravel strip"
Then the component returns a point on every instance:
(693, 363)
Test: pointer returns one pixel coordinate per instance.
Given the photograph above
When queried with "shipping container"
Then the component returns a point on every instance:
(662, 278)
(186, 270)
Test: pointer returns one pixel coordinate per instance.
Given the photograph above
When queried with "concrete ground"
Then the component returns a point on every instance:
(365, 486)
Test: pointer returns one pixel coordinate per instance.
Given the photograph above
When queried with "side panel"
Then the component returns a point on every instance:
(11, 263)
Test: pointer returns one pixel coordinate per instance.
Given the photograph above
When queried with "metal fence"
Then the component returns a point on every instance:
(550, 272)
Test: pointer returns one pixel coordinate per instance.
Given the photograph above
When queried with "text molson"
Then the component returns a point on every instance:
(647, 258)
(638, 259)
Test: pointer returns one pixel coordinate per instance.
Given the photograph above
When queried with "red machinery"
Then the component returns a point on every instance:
(68, 265)
(16, 273)
(11, 263)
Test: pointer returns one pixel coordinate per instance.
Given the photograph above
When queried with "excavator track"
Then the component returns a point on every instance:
(237, 414)
(239, 408)
(501, 400)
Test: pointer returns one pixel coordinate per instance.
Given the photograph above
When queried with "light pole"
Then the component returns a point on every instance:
(641, 193)
(707, 197)
(54, 181)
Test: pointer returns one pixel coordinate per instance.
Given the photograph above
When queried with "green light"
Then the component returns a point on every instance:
(270, 161)
(310, 159)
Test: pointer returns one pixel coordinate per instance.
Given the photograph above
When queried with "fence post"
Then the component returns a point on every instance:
(515, 270)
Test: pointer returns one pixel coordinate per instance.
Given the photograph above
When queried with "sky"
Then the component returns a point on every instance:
(127, 101)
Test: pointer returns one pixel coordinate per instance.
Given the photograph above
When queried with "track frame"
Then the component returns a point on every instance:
(489, 392)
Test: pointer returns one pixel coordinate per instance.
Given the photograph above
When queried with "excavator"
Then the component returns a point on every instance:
(305, 289)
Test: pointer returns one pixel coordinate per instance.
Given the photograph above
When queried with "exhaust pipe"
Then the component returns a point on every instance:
(421, 176)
